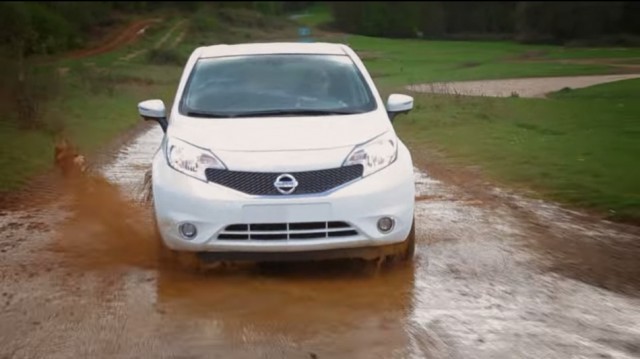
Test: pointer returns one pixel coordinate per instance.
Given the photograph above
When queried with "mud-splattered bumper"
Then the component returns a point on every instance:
(212, 208)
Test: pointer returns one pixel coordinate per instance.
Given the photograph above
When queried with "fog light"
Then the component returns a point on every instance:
(385, 224)
(188, 230)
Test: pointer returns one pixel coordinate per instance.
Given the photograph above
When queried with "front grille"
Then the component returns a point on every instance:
(286, 231)
(262, 183)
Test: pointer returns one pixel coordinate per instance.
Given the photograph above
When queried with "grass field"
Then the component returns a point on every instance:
(397, 62)
(90, 120)
(579, 147)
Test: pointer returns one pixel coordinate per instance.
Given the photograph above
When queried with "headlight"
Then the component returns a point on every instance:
(191, 160)
(375, 154)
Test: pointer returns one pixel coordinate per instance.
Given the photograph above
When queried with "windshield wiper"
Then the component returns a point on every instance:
(288, 112)
(208, 114)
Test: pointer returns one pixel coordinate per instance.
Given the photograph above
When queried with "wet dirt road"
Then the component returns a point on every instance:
(496, 276)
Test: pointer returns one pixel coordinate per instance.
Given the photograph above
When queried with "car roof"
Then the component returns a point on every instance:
(321, 48)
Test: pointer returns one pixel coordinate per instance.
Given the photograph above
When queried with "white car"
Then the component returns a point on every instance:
(281, 151)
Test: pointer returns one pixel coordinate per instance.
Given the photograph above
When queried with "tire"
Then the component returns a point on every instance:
(409, 249)
(400, 252)
(164, 253)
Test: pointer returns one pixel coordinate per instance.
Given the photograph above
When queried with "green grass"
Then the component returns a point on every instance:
(93, 119)
(621, 90)
(579, 147)
(90, 115)
(90, 120)
(595, 52)
(394, 62)
(24, 154)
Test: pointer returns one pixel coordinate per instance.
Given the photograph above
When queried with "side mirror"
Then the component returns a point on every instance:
(397, 104)
(153, 110)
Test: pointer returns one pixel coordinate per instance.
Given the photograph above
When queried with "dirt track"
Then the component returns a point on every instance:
(496, 276)
(523, 87)
(126, 36)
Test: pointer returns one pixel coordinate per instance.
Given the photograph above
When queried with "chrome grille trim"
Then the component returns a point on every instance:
(331, 229)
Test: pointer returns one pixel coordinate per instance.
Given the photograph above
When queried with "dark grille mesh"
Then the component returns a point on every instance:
(261, 183)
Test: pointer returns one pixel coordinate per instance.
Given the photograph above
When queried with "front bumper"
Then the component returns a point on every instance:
(179, 198)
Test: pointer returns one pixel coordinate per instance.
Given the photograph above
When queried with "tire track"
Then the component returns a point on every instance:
(160, 42)
(127, 36)
(166, 37)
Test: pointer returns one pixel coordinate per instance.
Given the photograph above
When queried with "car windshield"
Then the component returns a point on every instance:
(266, 85)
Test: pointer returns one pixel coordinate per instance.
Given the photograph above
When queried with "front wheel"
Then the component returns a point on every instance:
(410, 244)
(400, 252)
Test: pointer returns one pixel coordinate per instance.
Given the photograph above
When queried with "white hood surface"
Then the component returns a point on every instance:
(279, 133)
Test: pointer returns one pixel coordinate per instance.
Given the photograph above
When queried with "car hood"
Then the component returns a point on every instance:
(279, 133)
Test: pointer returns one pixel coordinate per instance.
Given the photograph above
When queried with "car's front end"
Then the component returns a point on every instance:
(344, 205)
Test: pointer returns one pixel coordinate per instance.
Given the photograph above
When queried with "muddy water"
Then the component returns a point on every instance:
(500, 278)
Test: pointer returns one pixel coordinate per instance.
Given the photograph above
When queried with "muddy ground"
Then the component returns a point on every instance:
(495, 276)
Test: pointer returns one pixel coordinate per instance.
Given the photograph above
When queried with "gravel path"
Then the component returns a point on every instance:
(524, 87)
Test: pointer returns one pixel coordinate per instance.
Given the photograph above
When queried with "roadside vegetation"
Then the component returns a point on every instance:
(403, 62)
(562, 22)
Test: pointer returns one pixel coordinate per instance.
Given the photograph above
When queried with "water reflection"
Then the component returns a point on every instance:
(328, 309)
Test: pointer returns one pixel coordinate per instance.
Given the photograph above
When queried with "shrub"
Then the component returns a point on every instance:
(96, 80)
(203, 22)
(247, 18)
(52, 32)
(165, 57)
(25, 92)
